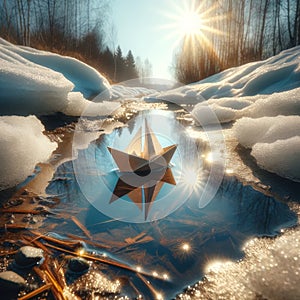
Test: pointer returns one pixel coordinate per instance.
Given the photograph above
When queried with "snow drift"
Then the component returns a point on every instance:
(84, 78)
(265, 88)
(275, 143)
(277, 74)
(22, 146)
(248, 94)
(40, 82)
(120, 92)
(231, 109)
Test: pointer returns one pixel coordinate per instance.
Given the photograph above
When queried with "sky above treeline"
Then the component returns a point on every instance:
(140, 26)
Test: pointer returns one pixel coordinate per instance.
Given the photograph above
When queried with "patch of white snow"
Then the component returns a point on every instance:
(22, 146)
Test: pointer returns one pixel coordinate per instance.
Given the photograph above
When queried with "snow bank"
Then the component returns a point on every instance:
(277, 74)
(284, 103)
(127, 92)
(270, 270)
(183, 95)
(78, 106)
(39, 82)
(22, 146)
(275, 143)
(264, 98)
(250, 131)
(84, 78)
(203, 114)
(280, 157)
(31, 90)
(264, 88)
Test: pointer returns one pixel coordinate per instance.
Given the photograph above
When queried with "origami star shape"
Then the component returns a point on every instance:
(143, 172)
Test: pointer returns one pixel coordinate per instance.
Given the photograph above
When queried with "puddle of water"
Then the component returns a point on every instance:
(175, 248)
(95, 169)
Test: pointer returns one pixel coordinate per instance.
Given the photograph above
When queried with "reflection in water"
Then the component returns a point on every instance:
(143, 169)
(175, 249)
(97, 169)
(186, 247)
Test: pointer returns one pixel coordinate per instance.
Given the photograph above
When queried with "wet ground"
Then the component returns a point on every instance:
(156, 259)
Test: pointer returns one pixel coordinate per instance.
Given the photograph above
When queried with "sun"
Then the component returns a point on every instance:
(189, 23)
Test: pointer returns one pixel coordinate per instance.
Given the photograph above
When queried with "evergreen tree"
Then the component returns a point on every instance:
(131, 71)
(119, 65)
(107, 62)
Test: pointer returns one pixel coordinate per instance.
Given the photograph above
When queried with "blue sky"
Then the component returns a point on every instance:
(138, 25)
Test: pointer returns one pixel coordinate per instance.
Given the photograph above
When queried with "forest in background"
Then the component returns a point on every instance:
(238, 32)
(78, 28)
(234, 33)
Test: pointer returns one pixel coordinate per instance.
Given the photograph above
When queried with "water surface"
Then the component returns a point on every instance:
(179, 244)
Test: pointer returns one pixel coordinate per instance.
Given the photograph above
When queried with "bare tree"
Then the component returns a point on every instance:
(252, 30)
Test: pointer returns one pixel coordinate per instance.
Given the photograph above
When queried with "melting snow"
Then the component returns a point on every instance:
(40, 82)
(262, 97)
(84, 78)
(270, 270)
(22, 146)
(248, 94)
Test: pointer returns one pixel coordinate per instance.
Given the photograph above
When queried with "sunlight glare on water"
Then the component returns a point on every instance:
(174, 246)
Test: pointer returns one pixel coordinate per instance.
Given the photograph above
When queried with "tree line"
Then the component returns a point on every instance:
(76, 28)
(235, 33)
